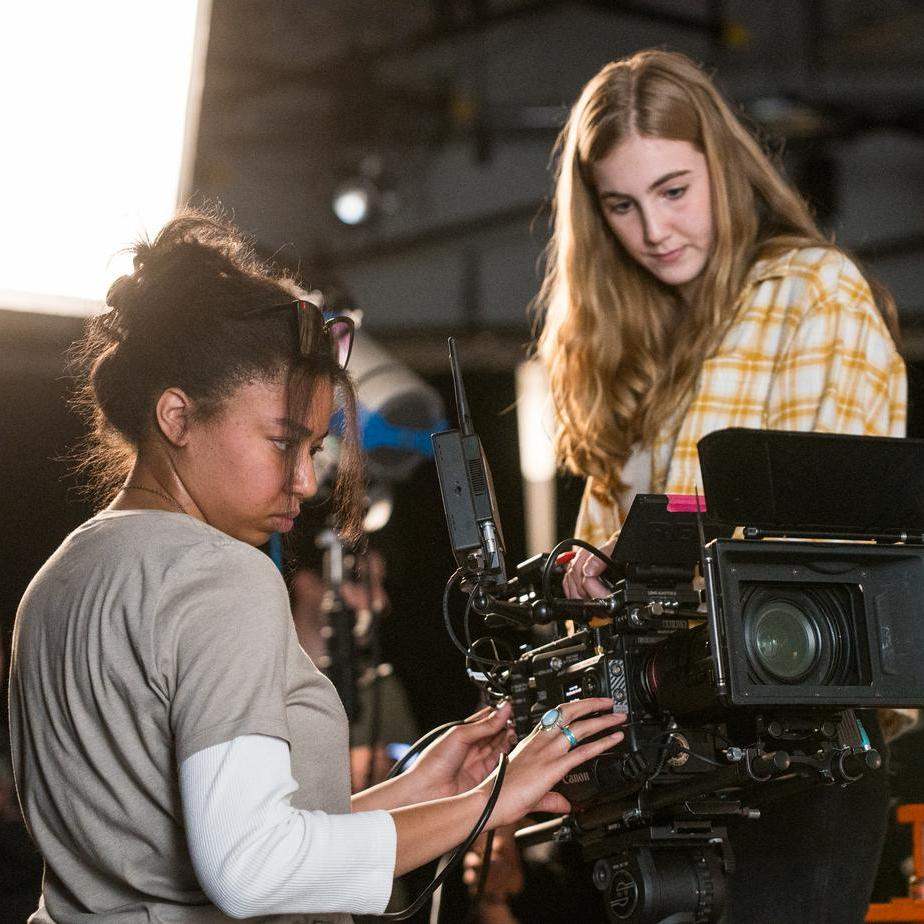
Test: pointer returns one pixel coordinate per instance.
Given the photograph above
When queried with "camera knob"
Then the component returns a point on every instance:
(542, 613)
(603, 874)
(770, 764)
(854, 765)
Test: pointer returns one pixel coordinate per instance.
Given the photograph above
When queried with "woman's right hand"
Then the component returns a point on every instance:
(582, 579)
(543, 757)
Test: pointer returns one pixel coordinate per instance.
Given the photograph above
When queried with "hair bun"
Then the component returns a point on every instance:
(123, 293)
(122, 407)
(123, 299)
(143, 251)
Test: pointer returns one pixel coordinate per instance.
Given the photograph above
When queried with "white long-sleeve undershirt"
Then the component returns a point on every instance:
(255, 854)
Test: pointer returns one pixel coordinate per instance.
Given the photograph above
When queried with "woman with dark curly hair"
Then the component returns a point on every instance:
(177, 755)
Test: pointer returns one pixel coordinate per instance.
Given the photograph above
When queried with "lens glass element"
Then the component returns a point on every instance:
(784, 640)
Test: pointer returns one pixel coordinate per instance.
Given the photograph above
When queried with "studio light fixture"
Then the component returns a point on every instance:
(99, 116)
(364, 195)
(353, 201)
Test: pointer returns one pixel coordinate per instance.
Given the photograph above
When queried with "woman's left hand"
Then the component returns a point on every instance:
(464, 756)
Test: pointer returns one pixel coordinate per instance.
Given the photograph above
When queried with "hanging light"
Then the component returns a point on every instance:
(353, 202)
(364, 195)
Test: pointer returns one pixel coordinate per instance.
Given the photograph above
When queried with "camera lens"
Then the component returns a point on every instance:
(799, 633)
(783, 640)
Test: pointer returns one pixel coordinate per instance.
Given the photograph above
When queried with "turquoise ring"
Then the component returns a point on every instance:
(569, 735)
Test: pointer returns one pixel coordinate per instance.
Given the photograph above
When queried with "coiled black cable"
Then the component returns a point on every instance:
(447, 621)
(419, 745)
(559, 548)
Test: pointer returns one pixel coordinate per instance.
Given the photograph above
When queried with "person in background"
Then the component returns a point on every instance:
(385, 721)
(688, 289)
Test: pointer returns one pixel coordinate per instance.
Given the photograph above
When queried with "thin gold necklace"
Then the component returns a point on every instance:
(163, 494)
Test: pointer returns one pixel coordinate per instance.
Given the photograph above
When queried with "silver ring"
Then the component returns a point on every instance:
(552, 719)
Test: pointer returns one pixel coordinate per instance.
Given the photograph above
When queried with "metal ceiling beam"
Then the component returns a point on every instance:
(529, 211)
(713, 24)
(428, 237)
(360, 57)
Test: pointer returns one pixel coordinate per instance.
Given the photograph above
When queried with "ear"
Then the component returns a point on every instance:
(173, 413)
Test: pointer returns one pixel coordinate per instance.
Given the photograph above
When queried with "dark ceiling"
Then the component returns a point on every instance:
(457, 103)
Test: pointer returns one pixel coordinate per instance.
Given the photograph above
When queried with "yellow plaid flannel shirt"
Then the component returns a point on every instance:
(808, 350)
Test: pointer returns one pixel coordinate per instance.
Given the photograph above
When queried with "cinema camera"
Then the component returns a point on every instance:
(741, 656)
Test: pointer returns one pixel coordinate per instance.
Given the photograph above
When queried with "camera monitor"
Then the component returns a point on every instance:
(657, 537)
(468, 490)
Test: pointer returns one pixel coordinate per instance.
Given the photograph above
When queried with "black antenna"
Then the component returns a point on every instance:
(702, 532)
(707, 564)
(465, 420)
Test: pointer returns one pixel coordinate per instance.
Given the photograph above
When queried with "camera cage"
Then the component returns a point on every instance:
(720, 586)
(880, 577)
(779, 486)
(774, 487)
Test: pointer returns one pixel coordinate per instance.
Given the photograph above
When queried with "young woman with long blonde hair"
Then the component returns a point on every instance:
(688, 289)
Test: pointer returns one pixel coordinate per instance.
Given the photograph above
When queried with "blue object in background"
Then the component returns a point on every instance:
(274, 549)
(376, 432)
(396, 750)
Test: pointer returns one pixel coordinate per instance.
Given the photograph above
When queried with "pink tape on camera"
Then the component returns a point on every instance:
(686, 503)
